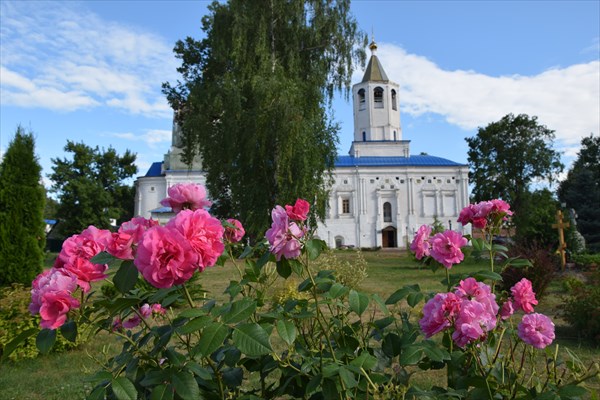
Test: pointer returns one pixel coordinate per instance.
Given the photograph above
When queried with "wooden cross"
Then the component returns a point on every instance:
(562, 246)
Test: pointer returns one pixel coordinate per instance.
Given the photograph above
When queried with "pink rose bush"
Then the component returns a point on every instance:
(536, 330)
(186, 196)
(234, 231)
(420, 244)
(481, 214)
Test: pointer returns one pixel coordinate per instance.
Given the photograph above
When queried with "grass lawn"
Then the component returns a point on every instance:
(63, 376)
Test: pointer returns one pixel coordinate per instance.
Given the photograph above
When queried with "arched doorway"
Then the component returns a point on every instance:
(389, 237)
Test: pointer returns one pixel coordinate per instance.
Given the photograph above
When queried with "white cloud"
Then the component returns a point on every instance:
(152, 137)
(566, 100)
(53, 52)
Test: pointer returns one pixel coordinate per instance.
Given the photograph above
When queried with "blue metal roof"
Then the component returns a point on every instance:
(420, 160)
(161, 210)
(155, 169)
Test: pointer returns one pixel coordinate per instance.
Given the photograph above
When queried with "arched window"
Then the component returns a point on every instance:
(395, 136)
(339, 241)
(364, 136)
(361, 99)
(387, 212)
(394, 106)
(378, 97)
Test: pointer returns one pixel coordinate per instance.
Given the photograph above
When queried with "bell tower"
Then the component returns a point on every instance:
(376, 107)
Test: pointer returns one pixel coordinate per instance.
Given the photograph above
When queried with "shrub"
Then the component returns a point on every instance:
(581, 308)
(540, 273)
(15, 319)
(346, 273)
(586, 260)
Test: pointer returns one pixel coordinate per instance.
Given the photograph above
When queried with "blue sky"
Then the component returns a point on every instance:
(92, 71)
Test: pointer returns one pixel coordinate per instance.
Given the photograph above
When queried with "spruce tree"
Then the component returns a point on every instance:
(22, 197)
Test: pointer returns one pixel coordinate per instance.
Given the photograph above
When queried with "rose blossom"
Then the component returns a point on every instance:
(203, 232)
(51, 280)
(123, 243)
(132, 322)
(523, 296)
(445, 248)
(438, 312)
(283, 236)
(146, 310)
(536, 330)
(165, 258)
(507, 310)
(54, 308)
(500, 206)
(473, 322)
(158, 309)
(186, 196)
(420, 244)
(299, 211)
(470, 289)
(236, 233)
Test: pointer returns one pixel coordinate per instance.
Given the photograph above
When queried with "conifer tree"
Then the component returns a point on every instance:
(255, 101)
(22, 197)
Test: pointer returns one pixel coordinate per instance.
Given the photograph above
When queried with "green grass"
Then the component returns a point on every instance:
(63, 376)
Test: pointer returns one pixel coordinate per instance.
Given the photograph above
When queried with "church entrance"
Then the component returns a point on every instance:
(389, 237)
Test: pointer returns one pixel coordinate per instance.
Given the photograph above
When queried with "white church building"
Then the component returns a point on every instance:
(381, 193)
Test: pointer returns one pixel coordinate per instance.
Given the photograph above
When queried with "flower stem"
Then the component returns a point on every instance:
(188, 297)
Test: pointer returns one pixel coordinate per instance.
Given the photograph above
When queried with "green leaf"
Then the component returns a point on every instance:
(104, 258)
(411, 355)
(380, 303)
(195, 325)
(162, 392)
(45, 340)
(287, 331)
(251, 339)
(313, 384)
(391, 345)
(571, 392)
(296, 266)
(358, 301)
(185, 385)
(337, 290)
(240, 310)
(126, 277)
(481, 275)
(414, 298)
(212, 338)
(365, 361)
(13, 344)
(99, 393)
(265, 258)
(124, 389)
(283, 268)
(402, 293)
(69, 331)
(192, 313)
(314, 247)
(247, 251)
(348, 377)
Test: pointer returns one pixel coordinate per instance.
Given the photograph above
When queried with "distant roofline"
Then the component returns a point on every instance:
(399, 161)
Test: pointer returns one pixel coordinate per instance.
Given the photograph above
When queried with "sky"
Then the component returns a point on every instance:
(92, 71)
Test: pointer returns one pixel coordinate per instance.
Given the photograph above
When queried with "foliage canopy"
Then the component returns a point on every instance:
(255, 101)
(581, 190)
(91, 187)
(508, 155)
(22, 196)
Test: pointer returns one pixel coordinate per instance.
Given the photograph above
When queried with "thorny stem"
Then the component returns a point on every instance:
(188, 297)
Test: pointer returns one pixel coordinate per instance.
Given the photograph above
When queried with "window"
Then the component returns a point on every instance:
(378, 97)
(364, 136)
(394, 106)
(361, 99)
(345, 206)
(395, 136)
(387, 212)
(339, 241)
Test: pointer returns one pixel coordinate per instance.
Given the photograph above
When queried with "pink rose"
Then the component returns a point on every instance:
(420, 244)
(523, 296)
(466, 215)
(470, 289)
(501, 207)
(184, 196)
(473, 323)
(146, 310)
(236, 233)
(507, 310)
(536, 330)
(55, 307)
(158, 309)
(51, 280)
(132, 322)
(284, 236)
(299, 211)
(438, 313)
(445, 248)
(78, 250)
(203, 232)
(121, 245)
(165, 258)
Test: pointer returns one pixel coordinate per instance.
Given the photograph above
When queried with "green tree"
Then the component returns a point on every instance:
(535, 219)
(506, 156)
(91, 187)
(255, 101)
(581, 190)
(22, 196)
